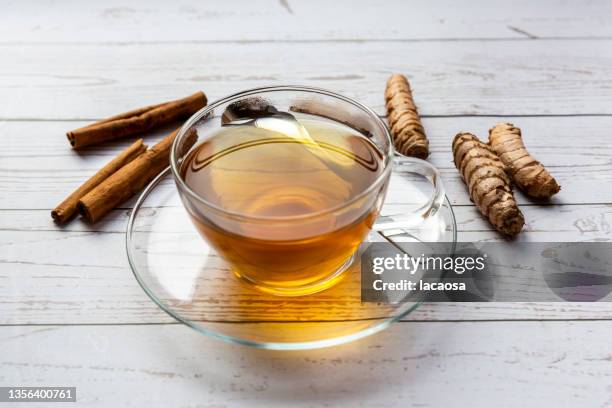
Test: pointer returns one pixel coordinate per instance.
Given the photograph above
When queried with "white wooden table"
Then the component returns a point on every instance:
(71, 312)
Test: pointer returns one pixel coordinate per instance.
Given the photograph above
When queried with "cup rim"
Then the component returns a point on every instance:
(388, 157)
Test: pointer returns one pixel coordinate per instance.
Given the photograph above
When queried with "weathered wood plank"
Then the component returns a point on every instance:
(542, 363)
(252, 21)
(449, 78)
(40, 190)
(39, 174)
(67, 276)
(544, 224)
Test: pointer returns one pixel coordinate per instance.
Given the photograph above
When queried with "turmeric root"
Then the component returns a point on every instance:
(406, 128)
(488, 184)
(526, 172)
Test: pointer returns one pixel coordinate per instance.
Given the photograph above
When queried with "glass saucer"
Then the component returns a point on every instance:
(185, 277)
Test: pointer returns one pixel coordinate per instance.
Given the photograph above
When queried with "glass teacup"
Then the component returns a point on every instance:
(286, 183)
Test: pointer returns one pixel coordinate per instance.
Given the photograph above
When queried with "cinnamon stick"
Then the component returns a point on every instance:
(67, 208)
(130, 179)
(136, 121)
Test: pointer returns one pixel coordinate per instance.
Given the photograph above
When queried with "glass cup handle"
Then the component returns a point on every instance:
(430, 208)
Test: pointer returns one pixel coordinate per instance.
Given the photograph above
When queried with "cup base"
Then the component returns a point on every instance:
(303, 290)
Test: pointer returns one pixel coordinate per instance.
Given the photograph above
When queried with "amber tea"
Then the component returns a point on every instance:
(287, 212)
